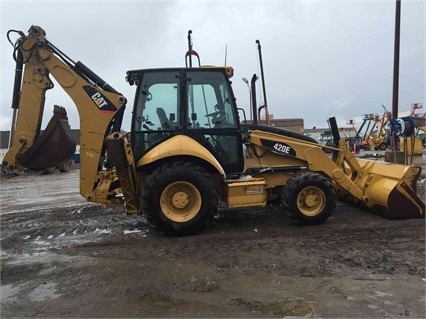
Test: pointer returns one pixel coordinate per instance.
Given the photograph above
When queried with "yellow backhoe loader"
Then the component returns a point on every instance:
(187, 150)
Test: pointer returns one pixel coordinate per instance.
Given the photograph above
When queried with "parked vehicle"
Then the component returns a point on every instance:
(188, 150)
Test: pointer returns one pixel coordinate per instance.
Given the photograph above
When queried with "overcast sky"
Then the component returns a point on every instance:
(321, 58)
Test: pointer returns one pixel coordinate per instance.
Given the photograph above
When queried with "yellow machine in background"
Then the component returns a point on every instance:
(377, 137)
(187, 149)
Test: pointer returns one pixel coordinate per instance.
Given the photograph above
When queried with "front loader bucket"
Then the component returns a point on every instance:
(55, 144)
(390, 189)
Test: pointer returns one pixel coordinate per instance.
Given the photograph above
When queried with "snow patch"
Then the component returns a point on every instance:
(78, 211)
(143, 232)
(102, 231)
(132, 231)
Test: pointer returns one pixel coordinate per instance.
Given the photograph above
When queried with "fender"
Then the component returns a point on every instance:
(180, 145)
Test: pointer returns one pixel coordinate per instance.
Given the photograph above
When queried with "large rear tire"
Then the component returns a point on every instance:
(179, 199)
(308, 198)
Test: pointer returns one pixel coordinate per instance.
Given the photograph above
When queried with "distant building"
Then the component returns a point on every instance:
(295, 125)
(324, 134)
(4, 143)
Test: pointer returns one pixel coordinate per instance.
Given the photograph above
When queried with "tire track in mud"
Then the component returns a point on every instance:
(34, 243)
(66, 227)
(283, 248)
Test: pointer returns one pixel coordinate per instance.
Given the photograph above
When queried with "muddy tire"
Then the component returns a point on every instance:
(50, 170)
(179, 199)
(65, 166)
(308, 198)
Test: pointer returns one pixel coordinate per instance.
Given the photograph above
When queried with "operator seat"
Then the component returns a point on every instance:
(166, 124)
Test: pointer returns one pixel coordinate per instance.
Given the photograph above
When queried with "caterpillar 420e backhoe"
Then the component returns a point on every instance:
(187, 150)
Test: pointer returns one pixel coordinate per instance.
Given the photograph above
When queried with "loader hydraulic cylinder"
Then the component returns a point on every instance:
(18, 80)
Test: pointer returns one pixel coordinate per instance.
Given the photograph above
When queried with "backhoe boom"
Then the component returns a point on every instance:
(100, 108)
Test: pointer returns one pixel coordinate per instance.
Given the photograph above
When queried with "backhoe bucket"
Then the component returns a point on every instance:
(55, 145)
(390, 189)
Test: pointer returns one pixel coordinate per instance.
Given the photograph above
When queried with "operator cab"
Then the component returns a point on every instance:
(197, 102)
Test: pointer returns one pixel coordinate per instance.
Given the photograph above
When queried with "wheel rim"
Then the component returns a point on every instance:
(180, 201)
(311, 201)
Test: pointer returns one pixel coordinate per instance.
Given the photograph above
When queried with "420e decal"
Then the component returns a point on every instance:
(280, 148)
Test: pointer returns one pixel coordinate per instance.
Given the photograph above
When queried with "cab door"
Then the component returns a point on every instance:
(211, 116)
(156, 114)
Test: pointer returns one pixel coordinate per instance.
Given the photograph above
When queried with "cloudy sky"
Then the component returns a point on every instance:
(321, 58)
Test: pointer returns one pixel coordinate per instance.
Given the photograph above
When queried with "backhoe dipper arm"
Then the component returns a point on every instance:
(100, 107)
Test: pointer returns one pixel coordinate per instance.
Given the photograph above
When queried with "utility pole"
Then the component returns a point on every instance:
(396, 60)
(395, 90)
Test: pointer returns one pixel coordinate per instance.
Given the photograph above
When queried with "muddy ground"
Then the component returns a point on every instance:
(62, 257)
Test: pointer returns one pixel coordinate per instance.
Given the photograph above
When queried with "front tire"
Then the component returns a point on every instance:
(179, 199)
(308, 198)
(65, 166)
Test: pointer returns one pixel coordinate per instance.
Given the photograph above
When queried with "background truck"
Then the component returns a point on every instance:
(189, 147)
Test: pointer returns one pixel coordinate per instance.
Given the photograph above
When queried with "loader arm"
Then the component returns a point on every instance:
(387, 189)
(303, 153)
(100, 109)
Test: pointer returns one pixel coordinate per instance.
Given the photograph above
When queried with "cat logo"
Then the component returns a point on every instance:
(99, 99)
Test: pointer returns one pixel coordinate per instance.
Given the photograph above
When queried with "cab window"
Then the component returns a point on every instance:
(209, 102)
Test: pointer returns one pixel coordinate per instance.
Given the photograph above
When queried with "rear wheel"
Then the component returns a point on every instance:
(308, 198)
(179, 198)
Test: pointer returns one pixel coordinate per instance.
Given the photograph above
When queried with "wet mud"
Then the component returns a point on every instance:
(65, 258)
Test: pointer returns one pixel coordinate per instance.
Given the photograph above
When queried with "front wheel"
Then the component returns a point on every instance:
(179, 199)
(308, 198)
(383, 146)
(65, 166)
